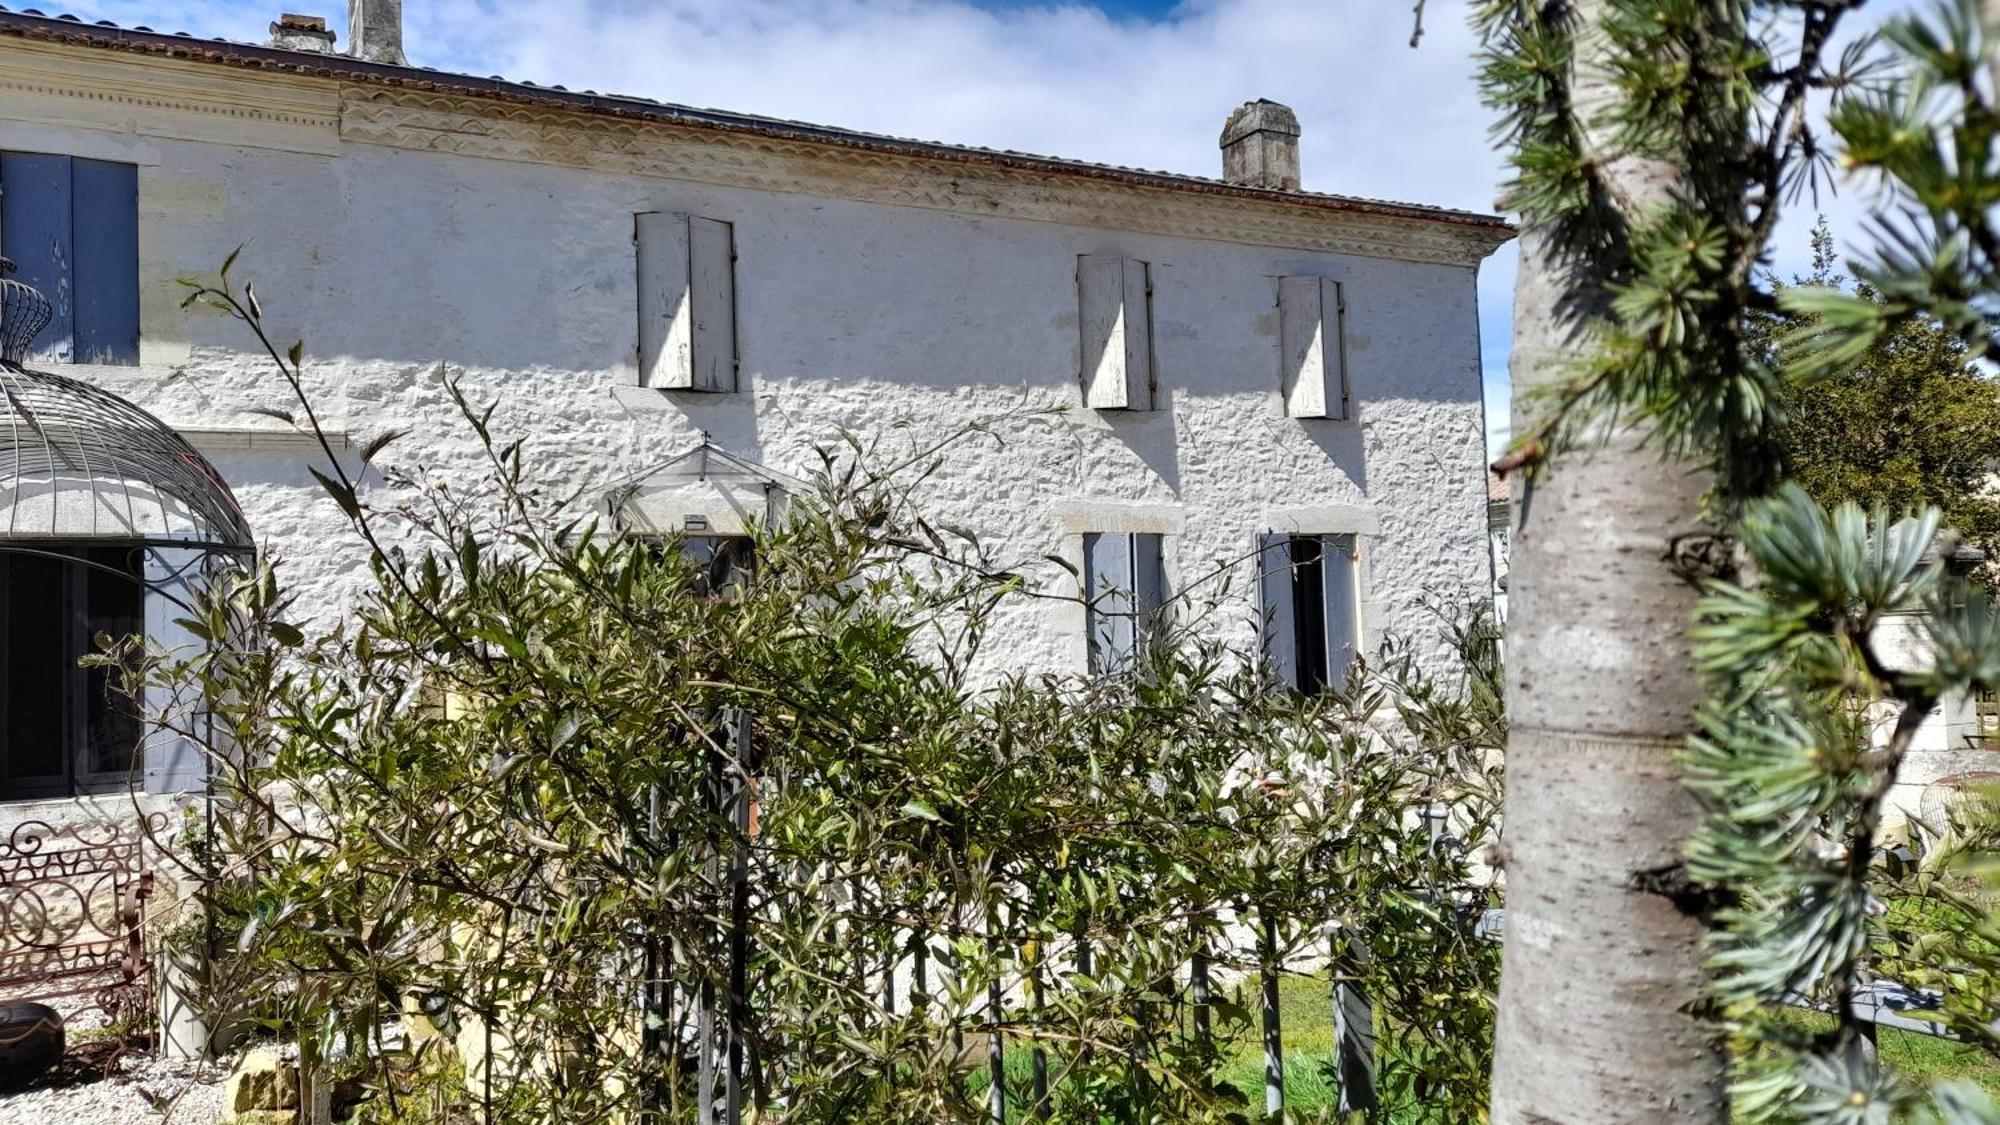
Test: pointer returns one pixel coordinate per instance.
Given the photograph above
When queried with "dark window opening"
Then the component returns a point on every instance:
(66, 729)
(1309, 611)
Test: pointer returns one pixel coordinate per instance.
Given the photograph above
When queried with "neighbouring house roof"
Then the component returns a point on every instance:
(34, 25)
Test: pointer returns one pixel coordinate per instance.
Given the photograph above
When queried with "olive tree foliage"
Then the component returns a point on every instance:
(1804, 722)
(493, 798)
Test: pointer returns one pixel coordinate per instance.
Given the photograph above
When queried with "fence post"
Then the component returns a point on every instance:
(1038, 1059)
(1353, 1026)
(739, 915)
(1274, 1047)
(1198, 987)
(996, 1065)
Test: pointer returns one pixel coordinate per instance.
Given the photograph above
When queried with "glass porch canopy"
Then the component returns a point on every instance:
(704, 491)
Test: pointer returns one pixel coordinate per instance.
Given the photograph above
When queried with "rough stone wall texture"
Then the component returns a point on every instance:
(520, 279)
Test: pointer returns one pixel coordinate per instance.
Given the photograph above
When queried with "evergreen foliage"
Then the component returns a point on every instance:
(1911, 423)
(1806, 723)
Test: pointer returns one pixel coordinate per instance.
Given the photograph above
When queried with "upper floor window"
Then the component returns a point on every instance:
(1311, 606)
(63, 729)
(1124, 591)
(1312, 321)
(687, 302)
(1115, 308)
(71, 227)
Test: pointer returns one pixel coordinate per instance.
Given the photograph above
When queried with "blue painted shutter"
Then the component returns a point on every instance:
(104, 214)
(172, 764)
(35, 193)
(1343, 606)
(1275, 607)
(1107, 590)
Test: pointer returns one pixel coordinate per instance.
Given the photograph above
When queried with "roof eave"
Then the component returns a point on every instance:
(343, 67)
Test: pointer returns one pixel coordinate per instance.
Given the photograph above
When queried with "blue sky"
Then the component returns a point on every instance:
(1136, 82)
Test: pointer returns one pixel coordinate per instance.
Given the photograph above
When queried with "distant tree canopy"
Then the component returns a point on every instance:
(1912, 423)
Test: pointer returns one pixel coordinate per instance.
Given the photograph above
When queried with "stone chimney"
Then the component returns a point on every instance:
(375, 31)
(302, 33)
(1260, 146)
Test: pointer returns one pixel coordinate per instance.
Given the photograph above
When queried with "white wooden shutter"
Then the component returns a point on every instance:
(1108, 584)
(712, 266)
(173, 764)
(1312, 347)
(1343, 606)
(1114, 297)
(666, 357)
(687, 302)
(1274, 606)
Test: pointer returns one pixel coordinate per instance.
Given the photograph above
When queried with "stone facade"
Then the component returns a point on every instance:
(404, 230)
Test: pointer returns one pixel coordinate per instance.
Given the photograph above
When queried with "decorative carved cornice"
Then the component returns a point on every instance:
(468, 126)
(164, 97)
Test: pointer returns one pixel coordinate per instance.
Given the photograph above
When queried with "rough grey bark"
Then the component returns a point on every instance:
(1601, 974)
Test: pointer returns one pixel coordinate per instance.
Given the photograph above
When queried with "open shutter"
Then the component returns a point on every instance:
(712, 285)
(1108, 583)
(666, 357)
(1274, 606)
(173, 764)
(1343, 606)
(105, 240)
(1115, 312)
(35, 193)
(1149, 585)
(1312, 347)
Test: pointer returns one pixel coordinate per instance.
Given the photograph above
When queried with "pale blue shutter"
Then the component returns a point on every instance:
(1107, 589)
(1343, 606)
(712, 296)
(173, 764)
(665, 320)
(1275, 608)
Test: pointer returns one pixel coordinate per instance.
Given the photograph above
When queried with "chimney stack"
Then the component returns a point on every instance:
(1260, 146)
(375, 31)
(302, 33)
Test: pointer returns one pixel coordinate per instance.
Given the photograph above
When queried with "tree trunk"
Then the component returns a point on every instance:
(1601, 977)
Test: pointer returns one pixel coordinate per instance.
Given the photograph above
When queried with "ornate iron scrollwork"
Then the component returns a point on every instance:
(72, 914)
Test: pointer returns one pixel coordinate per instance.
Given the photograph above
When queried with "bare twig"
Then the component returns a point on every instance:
(1417, 28)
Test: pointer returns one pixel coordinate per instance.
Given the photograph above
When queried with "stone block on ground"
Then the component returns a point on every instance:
(265, 1079)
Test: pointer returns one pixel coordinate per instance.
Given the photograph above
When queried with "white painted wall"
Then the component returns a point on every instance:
(520, 277)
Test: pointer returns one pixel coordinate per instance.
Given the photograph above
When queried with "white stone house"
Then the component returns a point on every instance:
(1244, 365)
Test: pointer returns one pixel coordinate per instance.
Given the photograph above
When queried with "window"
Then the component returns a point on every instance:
(1124, 589)
(1115, 308)
(1311, 608)
(687, 302)
(726, 560)
(65, 730)
(71, 227)
(1312, 350)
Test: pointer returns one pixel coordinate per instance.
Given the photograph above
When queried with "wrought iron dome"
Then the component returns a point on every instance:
(78, 462)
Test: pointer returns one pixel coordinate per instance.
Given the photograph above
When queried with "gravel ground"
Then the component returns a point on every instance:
(143, 1091)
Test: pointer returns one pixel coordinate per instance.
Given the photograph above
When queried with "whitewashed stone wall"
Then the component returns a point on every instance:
(520, 278)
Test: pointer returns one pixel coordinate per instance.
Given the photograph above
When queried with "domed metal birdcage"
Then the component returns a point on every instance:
(80, 463)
